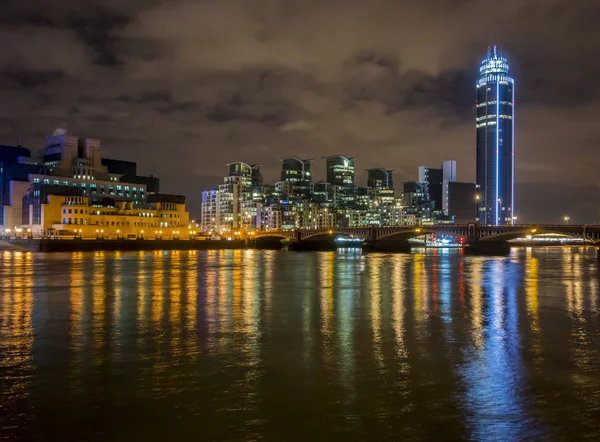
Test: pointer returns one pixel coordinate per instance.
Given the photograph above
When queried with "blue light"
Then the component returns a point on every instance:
(495, 68)
(512, 202)
(497, 143)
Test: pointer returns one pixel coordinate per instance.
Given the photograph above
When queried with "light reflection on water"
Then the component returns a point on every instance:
(249, 345)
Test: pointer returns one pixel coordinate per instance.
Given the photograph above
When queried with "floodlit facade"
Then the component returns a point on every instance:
(39, 192)
(495, 141)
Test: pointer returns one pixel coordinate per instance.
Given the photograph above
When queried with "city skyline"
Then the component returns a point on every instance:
(395, 94)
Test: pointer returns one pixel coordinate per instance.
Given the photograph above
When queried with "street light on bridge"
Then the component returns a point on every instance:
(567, 218)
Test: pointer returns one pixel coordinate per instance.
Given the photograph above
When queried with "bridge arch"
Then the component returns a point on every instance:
(271, 235)
(524, 233)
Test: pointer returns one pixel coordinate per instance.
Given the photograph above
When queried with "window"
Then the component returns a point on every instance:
(46, 181)
(64, 210)
(64, 220)
(70, 211)
(75, 211)
(36, 180)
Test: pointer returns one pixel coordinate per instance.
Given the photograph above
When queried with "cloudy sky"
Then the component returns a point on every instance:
(183, 87)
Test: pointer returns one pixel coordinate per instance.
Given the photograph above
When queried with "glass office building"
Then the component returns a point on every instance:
(495, 141)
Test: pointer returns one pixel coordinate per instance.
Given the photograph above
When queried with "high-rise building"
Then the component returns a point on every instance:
(459, 202)
(381, 186)
(495, 141)
(340, 170)
(436, 181)
(15, 166)
(209, 211)
(240, 197)
(380, 178)
(340, 174)
(322, 193)
(296, 172)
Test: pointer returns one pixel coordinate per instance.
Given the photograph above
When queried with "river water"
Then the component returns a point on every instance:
(244, 345)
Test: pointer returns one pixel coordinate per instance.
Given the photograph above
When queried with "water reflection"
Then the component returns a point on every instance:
(253, 345)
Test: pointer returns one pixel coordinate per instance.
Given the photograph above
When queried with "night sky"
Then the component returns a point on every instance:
(183, 87)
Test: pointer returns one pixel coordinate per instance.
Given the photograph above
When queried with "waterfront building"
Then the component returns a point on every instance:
(379, 178)
(322, 193)
(459, 202)
(381, 185)
(279, 216)
(15, 166)
(314, 216)
(296, 175)
(70, 167)
(127, 172)
(67, 211)
(416, 200)
(440, 198)
(209, 211)
(240, 197)
(363, 197)
(340, 175)
(286, 191)
(495, 141)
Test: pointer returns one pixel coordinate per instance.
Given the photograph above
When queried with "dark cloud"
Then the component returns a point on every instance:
(184, 87)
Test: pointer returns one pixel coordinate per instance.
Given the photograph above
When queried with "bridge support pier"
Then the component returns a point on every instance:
(267, 243)
(389, 246)
(491, 248)
(312, 245)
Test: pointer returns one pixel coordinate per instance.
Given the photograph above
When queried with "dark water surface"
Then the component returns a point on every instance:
(265, 345)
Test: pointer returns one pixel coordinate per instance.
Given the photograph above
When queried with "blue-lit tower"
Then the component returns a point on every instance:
(495, 141)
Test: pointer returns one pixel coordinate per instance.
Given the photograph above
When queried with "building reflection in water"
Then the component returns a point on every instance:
(16, 327)
(345, 337)
(326, 266)
(375, 265)
(398, 309)
(581, 310)
(420, 288)
(493, 372)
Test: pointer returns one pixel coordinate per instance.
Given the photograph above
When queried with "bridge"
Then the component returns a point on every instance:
(478, 237)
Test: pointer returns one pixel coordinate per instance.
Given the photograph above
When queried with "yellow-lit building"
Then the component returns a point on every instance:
(72, 191)
(81, 216)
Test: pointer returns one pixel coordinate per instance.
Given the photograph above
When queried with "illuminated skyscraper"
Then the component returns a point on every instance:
(340, 174)
(495, 141)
